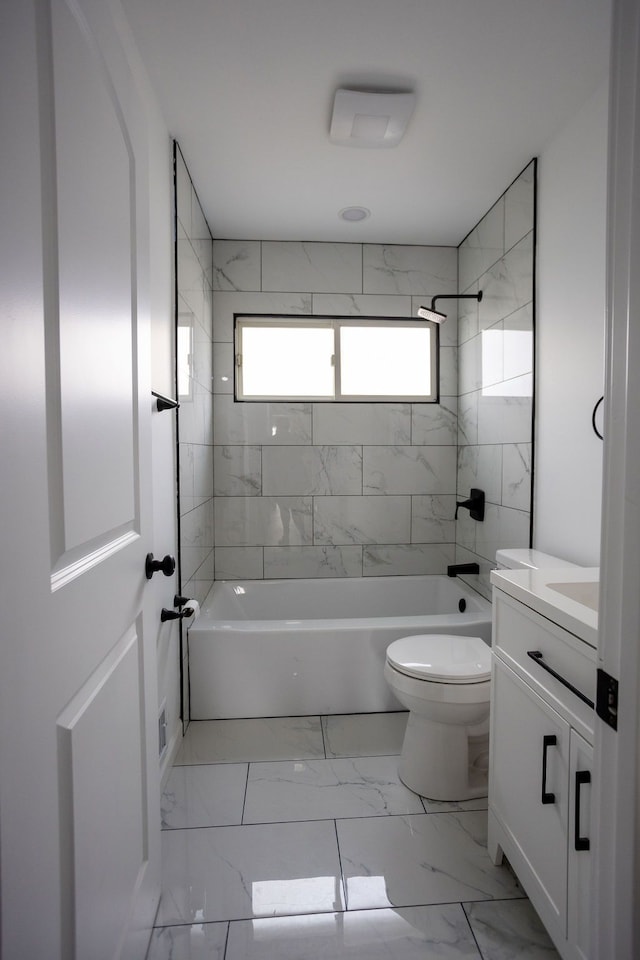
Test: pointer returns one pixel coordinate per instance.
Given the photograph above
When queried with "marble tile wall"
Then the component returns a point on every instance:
(312, 489)
(495, 377)
(195, 414)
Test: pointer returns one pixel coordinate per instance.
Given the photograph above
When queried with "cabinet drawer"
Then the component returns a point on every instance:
(517, 631)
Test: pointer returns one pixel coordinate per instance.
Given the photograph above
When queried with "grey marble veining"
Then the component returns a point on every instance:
(226, 303)
(260, 423)
(237, 471)
(239, 563)
(361, 423)
(339, 520)
(435, 423)
(516, 476)
(468, 418)
(508, 285)
(198, 941)
(319, 470)
(509, 930)
(428, 858)
(223, 368)
(321, 789)
(481, 466)
(233, 873)
(316, 267)
(407, 559)
(312, 562)
(361, 305)
(364, 734)
(432, 519)
(263, 521)
(409, 269)
(203, 795)
(414, 933)
(504, 419)
(409, 469)
(236, 265)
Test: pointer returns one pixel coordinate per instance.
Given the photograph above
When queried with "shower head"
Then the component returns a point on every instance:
(435, 316)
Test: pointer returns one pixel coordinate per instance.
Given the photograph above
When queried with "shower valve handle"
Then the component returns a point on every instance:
(167, 565)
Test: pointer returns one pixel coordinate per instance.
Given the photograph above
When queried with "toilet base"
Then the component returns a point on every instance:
(442, 761)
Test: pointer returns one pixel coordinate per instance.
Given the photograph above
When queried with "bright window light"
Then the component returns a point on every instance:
(386, 361)
(336, 359)
(286, 361)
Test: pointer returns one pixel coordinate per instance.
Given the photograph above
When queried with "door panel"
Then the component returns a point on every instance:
(79, 791)
(94, 304)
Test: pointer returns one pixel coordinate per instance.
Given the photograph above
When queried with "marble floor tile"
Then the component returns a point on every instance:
(206, 795)
(235, 741)
(364, 734)
(510, 930)
(321, 789)
(451, 806)
(418, 933)
(237, 873)
(198, 941)
(420, 859)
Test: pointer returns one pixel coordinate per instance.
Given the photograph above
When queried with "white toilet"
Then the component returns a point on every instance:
(445, 683)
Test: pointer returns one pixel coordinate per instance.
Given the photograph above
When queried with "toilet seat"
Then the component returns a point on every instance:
(441, 658)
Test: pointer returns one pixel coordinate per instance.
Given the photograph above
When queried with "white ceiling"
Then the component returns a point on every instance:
(246, 87)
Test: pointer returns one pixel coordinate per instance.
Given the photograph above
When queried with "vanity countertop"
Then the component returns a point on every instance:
(566, 595)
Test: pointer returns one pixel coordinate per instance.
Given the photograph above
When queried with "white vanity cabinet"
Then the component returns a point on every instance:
(540, 763)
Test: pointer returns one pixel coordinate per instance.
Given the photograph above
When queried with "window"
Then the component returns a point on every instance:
(336, 359)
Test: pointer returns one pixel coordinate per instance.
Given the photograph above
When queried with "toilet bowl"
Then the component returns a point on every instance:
(445, 683)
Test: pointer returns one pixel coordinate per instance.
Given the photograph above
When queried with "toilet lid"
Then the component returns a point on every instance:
(441, 657)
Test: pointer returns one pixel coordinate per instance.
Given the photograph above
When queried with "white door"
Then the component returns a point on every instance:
(79, 834)
(616, 776)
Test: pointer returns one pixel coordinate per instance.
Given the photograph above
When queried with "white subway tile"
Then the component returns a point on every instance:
(226, 304)
(260, 423)
(261, 521)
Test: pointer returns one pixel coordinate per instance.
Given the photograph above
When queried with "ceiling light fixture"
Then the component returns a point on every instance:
(365, 119)
(354, 214)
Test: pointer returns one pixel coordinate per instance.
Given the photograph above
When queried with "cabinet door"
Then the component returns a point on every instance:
(528, 789)
(579, 911)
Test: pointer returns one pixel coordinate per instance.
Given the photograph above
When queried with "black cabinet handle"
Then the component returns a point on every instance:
(537, 656)
(549, 741)
(167, 565)
(580, 843)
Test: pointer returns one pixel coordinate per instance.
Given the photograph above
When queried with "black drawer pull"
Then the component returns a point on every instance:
(580, 843)
(537, 656)
(549, 741)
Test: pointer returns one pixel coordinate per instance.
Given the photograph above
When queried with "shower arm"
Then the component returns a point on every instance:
(456, 296)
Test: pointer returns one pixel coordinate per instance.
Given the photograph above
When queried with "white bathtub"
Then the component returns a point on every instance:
(268, 648)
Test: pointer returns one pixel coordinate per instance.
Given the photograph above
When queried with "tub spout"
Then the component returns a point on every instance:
(457, 568)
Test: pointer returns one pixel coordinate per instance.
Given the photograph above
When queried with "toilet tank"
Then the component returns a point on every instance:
(523, 559)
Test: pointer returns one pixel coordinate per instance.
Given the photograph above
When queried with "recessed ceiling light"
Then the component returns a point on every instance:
(354, 214)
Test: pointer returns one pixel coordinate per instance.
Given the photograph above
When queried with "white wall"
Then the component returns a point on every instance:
(570, 335)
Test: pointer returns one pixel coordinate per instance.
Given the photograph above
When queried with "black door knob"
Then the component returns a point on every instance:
(167, 565)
